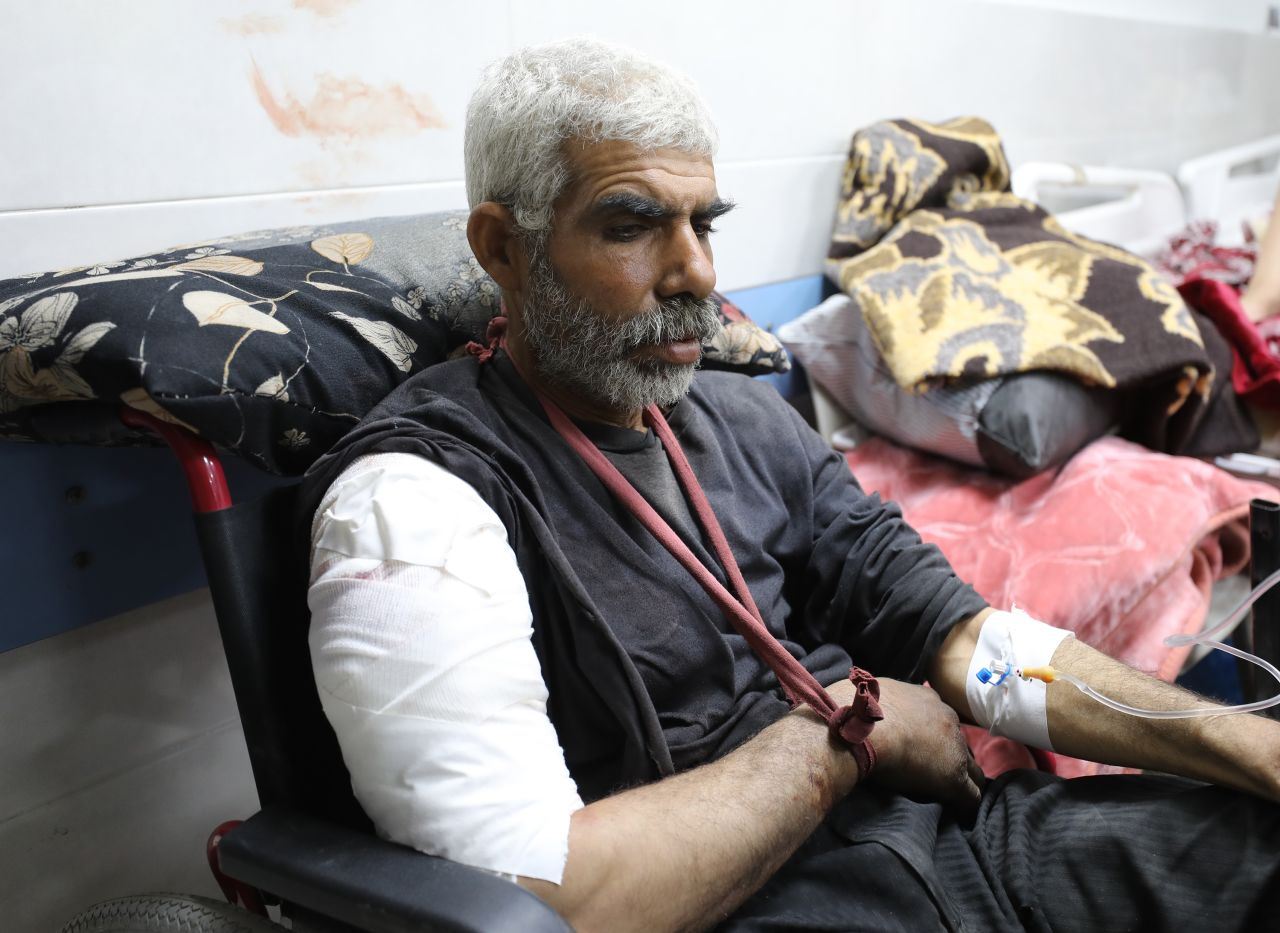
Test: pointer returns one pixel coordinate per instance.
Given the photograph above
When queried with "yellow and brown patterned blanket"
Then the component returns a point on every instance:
(958, 279)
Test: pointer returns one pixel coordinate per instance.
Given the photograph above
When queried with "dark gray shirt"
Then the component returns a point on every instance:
(685, 693)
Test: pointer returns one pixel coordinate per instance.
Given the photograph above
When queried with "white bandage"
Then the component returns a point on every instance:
(1013, 707)
(421, 645)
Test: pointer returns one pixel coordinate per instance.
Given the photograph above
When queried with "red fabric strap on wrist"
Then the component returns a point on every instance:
(852, 724)
(864, 756)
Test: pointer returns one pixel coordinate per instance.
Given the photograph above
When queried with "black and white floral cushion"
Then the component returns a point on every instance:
(271, 344)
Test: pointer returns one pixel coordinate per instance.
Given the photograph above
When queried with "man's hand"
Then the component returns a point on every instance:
(920, 749)
(682, 853)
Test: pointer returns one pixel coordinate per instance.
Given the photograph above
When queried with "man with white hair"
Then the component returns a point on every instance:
(574, 605)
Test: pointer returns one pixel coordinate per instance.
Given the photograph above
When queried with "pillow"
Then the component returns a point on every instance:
(960, 280)
(743, 346)
(271, 344)
(1017, 425)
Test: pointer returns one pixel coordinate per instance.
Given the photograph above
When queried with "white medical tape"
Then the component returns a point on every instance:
(1012, 707)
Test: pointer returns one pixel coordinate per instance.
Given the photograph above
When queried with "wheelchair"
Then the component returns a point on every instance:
(309, 858)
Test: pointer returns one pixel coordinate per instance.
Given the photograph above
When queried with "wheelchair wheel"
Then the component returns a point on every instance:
(167, 913)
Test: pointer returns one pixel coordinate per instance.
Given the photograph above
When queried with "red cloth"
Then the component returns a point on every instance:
(1122, 545)
(1255, 373)
(1194, 254)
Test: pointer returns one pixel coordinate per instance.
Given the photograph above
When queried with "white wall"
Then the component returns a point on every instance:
(127, 127)
(1240, 15)
(172, 122)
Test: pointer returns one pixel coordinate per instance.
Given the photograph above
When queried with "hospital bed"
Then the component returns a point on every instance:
(966, 510)
(1133, 208)
(1235, 187)
(1140, 209)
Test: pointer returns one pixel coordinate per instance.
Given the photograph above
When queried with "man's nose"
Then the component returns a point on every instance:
(687, 265)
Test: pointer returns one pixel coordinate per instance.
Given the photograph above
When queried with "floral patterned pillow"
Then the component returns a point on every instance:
(742, 345)
(271, 344)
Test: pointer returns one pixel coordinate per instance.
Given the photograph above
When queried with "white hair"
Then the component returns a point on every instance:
(534, 100)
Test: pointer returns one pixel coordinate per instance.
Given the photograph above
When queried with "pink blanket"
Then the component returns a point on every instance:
(1121, 545)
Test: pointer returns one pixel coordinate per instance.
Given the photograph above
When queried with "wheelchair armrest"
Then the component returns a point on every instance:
(374, 885)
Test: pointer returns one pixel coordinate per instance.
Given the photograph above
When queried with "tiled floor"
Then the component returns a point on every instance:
(121, 751)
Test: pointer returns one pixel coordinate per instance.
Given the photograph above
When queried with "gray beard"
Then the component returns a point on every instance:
(588, 352)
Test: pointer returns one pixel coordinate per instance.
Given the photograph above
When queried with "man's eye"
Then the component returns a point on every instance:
(703, 229)
(625, 232)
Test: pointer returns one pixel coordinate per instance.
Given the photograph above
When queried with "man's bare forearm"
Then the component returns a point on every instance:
(1262, 297)
(682, 853)
(1235, 751)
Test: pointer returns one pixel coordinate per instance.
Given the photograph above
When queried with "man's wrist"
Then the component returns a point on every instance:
(864, 756)
(852, 724)
(833, 770)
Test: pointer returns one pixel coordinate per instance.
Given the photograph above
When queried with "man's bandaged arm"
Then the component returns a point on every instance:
(420, 642)
(1007, 706)
(999, 700)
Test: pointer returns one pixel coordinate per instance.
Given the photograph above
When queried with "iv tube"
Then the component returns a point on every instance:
(1233, 618)
(1185, 713)
(1205, 638)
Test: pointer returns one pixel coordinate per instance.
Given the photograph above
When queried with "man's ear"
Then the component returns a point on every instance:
(491, 231)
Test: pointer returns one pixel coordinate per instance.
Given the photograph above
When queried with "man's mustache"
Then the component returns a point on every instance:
(680, 317)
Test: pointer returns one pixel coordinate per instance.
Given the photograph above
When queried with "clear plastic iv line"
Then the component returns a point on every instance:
(1194, 711)
(1205, 637)
(1231, 621)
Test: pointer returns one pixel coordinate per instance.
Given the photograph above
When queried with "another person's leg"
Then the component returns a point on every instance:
(1262, 298)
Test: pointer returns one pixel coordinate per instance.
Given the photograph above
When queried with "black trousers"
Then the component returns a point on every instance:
(1092, 855)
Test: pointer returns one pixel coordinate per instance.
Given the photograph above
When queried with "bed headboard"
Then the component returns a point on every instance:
(1233, 186)
(1133, 208)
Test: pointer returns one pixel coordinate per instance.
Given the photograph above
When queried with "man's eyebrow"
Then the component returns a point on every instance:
(717, 208)
(642, 205)
(629, 202)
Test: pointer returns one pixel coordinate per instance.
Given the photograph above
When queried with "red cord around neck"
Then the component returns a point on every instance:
(852, 724)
